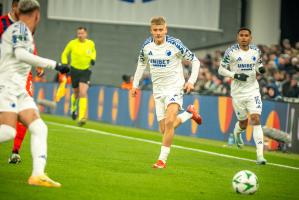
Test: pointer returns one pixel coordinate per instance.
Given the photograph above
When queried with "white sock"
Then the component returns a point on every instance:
(7, 133)
(164, 153)
(238, 129)
(258, 137)
(185, 116)
(39, 133)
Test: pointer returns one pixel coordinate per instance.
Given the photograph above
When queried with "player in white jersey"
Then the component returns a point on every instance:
(15, 103)
(164, 54)
(241, 62)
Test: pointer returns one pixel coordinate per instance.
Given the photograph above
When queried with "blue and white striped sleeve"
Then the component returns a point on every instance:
(189, 55)
(141, 65)
(20, 36)
(224, 65)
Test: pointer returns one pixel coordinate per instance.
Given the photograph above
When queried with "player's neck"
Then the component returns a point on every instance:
(29, 23)
(159, 42)
(244, 47)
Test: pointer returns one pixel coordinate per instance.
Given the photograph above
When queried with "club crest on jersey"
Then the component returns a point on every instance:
(239, 59)
(150, 53)
(253, 58)
(168, 52)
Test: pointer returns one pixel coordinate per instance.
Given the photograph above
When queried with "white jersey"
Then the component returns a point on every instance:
(239, 61)
(14, 73)
(165, 62)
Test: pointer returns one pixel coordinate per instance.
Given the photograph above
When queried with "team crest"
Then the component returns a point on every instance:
(168, 52)
(253, 58)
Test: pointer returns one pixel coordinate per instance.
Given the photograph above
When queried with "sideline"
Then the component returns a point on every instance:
(173, 146)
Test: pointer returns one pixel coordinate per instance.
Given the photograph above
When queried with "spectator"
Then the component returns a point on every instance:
(272, 93)
(127, 83)
(291, 88)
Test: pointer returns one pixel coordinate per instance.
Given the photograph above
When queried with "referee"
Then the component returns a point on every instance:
(82, 54)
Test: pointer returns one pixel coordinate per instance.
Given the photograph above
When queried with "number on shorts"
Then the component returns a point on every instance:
(258, 102)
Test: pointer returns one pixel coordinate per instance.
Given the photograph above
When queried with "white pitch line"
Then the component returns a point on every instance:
(173, 146)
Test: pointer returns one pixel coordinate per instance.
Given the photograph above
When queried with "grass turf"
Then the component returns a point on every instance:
(96, 166)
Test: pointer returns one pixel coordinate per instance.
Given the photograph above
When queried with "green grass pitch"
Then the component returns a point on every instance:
(98, 165)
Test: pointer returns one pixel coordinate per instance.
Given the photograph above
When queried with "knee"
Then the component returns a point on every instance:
(169, 123)
(162, 130)
(38, 126)
(243, 124)
(8, 131)
(255, 119)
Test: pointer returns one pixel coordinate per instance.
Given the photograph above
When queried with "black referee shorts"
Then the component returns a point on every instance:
(78, 75)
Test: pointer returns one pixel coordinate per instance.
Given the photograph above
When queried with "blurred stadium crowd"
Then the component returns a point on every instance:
(280, 82)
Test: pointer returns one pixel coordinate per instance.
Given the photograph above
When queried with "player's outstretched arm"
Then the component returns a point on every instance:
(31, 59)
(225, 72)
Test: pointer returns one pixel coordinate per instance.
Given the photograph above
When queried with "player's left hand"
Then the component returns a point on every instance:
(62, 68)
(92, 62)
(188, 87)
(262, 70)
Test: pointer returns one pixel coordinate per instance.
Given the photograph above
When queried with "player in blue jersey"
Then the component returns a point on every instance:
(241, 62)
(164, 55)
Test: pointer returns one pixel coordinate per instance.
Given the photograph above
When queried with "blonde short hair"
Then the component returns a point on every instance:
(28, 6)
(158, 20)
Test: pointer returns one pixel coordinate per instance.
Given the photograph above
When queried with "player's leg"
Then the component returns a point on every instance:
(160, 113)
(8, 115)
(169, 126)
(190, 113)
(258, 137)
(162, 126)
(28, 115)
(21, 132)
(83, 88)
(255, 110)
(7, 126)
(171, 116)
(83, 95)
(75, 95)
(241, 124)
(74, 103)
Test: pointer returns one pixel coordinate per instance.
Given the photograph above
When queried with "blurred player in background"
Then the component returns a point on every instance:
(83, 55)
(164, 55)
(16, 61)
(10, 18)
(241, 62)
(5, 22)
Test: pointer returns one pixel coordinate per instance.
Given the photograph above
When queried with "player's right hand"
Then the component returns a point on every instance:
(241, 77)
(62, 68)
